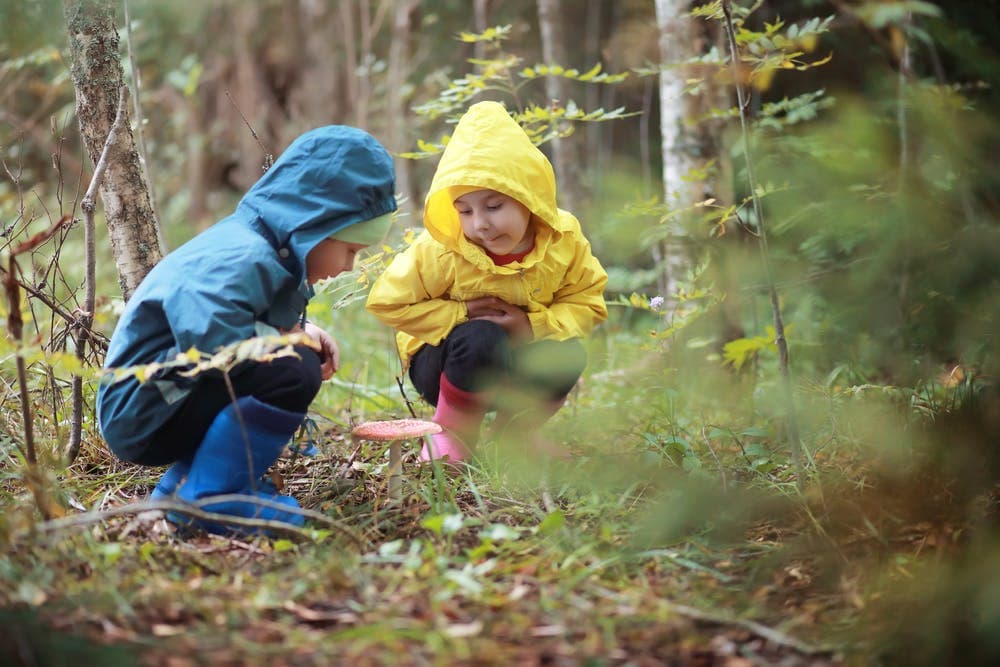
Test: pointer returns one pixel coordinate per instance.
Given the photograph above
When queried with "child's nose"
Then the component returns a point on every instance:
(482, 221)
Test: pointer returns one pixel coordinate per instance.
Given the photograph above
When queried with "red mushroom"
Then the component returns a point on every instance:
(395, 431)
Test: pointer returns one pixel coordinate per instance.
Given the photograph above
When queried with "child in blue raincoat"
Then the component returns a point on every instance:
(329, 195)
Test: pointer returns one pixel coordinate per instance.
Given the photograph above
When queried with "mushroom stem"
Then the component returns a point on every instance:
(395, 471)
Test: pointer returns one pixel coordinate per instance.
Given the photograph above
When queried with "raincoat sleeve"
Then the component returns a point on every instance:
(411, 294)
(220, 306)
(578, 305)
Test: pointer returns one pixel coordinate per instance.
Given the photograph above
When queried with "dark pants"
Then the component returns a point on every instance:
(287, 382)
(477, 356)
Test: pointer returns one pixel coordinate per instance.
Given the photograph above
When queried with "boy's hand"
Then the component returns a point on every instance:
(329, 352)
(510, 318)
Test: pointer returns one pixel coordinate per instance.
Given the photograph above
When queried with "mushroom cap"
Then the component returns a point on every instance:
(394, 429)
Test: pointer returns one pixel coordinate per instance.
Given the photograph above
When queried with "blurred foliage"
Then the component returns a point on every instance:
(501, 75)
(880, 193)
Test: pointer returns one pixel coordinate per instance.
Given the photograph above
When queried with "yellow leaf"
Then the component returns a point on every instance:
(763, 78)
(591, 73)
(898, 41)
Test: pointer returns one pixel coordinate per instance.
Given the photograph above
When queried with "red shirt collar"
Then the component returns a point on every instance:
(503, 260)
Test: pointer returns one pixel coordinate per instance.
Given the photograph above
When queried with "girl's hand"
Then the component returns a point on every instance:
(510, 318)
(329, 352)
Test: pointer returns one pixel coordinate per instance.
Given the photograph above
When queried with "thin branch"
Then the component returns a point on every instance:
(86, 319)
(15, 326)
(268, 157)
(722, 469)
(763, 631)
(96, 339)
(791, 417)
(195, 511)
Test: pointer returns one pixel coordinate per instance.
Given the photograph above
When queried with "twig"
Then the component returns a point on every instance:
(86, 320)
(791, 417)
(194, 510)
(95, 338)
(15, 327)
(268, 157)
(406, 399)
(763, 631)
(722, 470)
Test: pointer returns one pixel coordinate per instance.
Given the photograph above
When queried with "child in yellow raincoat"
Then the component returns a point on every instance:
(491, 301)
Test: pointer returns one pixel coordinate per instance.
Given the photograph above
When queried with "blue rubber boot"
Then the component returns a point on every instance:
(175, 474)
(231, 459)
(171, 479)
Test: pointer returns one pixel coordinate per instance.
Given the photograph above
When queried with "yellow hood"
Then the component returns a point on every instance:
(470, 160)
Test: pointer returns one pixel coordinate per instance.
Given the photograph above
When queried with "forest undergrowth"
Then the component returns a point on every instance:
(676, 533)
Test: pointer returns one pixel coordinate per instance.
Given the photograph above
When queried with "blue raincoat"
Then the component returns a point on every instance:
(241, 276)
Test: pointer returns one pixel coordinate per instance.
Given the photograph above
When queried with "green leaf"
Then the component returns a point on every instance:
(283, 545)
(691, 463)
(435, 524)
(738, 352)
(552, 523)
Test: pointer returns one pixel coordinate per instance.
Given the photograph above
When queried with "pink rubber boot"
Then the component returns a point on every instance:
(460, 414)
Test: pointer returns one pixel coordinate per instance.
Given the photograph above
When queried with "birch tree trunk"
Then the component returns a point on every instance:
(675, 47)
(565, 158)
(98, 78)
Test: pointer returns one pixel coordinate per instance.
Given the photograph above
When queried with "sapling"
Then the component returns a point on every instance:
(791, 417)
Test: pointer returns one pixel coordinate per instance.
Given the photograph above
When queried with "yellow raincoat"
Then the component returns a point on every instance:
(559, 284)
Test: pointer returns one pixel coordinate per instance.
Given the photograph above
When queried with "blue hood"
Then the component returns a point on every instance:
(327, 179)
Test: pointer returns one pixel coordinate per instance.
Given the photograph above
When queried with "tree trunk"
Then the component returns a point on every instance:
(315, 98)
(348, 36)
(481, 17)
(396, 131)
(592, 94)
(675, 47)
(253, 140)
(98, 78)
(565, 156)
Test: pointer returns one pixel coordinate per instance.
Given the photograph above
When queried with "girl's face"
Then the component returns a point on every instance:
(330, 258)
(494, 221)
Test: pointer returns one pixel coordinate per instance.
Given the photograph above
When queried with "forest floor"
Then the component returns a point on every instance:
(481, 568)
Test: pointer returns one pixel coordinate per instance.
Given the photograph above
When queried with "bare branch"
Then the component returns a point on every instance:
(268, 157)
(86, 319)
(195, 511)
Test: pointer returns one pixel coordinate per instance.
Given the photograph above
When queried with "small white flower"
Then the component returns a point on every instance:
(656, 302)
